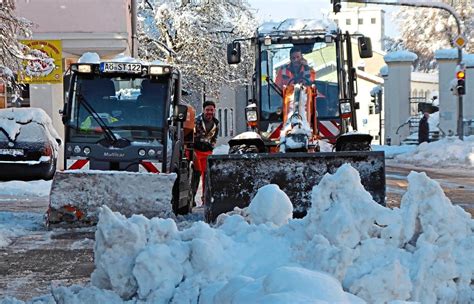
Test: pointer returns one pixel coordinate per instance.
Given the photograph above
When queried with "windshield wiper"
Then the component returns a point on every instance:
(107, 131)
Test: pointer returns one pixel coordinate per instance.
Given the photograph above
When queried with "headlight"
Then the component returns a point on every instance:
(251, 115)
(87, 150)
(159, 70)
(142, 152)
(345, 108)
(84, 68)
(77, 149)
(151, 152)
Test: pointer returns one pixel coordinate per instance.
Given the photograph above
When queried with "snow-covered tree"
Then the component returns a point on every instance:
(11, 27)
(193, 35)
(425, 30)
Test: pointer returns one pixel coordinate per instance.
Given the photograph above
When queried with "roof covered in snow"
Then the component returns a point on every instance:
(298, 25)
(94, 58)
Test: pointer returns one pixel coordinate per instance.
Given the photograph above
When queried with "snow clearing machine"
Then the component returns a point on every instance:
(299, 129)
(127, 138)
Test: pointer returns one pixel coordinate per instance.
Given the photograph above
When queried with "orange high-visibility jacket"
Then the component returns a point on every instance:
(285, 74)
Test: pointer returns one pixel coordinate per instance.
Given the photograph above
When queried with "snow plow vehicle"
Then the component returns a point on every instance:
(127, 137)
(300, 130)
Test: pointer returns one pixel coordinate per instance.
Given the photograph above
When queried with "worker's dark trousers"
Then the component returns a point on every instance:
(195, 178)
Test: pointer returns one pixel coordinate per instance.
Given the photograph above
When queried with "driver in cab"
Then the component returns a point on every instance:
(297, 71)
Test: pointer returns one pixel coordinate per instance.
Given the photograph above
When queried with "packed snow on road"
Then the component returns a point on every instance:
(347, 249)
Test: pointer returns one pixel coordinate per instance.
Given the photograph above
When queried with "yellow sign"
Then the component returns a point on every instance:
(460, 42)
(45, 65)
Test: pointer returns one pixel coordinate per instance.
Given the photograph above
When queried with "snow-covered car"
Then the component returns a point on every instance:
(29, 144)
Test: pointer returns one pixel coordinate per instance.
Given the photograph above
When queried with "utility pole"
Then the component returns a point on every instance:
(133, 13)
(426, 4)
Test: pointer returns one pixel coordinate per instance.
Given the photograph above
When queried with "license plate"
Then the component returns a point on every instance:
(13, 152)
(111, 67)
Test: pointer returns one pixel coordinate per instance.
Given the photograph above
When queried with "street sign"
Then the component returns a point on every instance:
(459, 41)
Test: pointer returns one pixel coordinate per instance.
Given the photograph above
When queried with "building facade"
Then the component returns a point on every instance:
(103, 27)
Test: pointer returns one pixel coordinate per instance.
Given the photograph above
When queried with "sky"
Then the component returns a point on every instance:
(268, 10)
(347, 249)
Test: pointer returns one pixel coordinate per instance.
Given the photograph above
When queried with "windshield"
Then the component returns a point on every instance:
(286, 64)
(133, 108)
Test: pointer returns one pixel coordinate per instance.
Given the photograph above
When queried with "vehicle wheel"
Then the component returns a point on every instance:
(188, 208)
(52, 169)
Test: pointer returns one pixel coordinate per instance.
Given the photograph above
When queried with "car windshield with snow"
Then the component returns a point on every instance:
(28, 144)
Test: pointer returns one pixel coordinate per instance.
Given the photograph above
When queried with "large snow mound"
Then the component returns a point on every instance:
(448, 152)
(420, 252)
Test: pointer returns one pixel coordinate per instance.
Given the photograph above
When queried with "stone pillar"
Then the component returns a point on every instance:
(385, 107)
(49, 97)
(448, 102)
(397, 95)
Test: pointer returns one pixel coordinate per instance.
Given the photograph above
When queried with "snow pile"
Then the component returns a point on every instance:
(420, 252)
(89, 57)
(298, 24)
(13, 225)
(36, 188)
(447, 152)
(270, 205)
(221, 149)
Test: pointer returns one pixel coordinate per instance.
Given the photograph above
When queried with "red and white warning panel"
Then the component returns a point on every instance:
(144, 166)
(77, 164)
(150, 167)
(328, 128)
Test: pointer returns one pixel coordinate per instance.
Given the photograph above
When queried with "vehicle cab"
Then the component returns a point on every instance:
(121, 115)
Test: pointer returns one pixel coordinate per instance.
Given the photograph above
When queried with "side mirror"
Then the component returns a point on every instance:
(63, 113)
(365, 47)
(181, 113)
(233, 53)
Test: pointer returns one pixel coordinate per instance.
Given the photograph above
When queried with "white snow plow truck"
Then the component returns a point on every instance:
(127, 138)
(296, 113)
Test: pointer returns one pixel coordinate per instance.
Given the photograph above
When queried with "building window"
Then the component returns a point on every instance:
(373, 20)
(226, 126)
(361, 21)
(376, 137)
(348, 21)
(371, 109)
(220, 119)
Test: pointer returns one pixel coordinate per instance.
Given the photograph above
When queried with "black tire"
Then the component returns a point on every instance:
(189, 199)
(52, 170)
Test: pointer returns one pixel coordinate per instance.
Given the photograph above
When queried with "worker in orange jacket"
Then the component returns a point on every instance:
(297, 71)
(206, 129)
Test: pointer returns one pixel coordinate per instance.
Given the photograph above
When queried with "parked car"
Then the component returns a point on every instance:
(29, 145)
